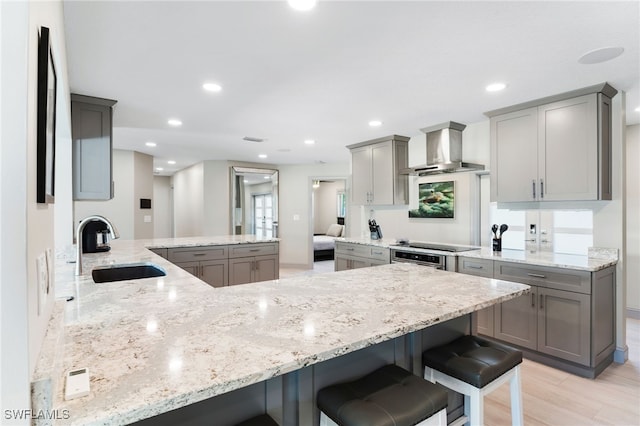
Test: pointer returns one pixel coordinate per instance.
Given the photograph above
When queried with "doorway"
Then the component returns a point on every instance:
(328, 208)
(263, 215)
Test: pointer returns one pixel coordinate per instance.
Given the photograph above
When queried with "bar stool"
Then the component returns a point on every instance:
(475, 367)
(261, 420)
(389, 396)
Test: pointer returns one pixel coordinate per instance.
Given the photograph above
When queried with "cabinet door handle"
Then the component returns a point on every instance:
(533, 193)
(349, 249)
(379, 253)
(201, 270)
(533, 300)
(541, 188)
(541, 300)
(257, 265)
(537, 275)
(254, 250)
(474, 267)
(199, 254)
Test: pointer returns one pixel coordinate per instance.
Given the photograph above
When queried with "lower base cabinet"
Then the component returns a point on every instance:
(252, 269)
(354, 256)
(213, 272)
(221, 266)
(576, 326)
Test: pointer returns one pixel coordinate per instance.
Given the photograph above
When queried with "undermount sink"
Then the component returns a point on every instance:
(130, 271)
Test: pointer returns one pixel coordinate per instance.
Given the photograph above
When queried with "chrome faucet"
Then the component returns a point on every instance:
(112, 231)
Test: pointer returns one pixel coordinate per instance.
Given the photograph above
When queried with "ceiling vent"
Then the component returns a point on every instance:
(251, 139)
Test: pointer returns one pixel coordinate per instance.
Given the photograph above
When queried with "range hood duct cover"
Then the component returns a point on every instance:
(444, 151)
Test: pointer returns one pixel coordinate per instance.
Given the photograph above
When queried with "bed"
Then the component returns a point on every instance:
(324, 244)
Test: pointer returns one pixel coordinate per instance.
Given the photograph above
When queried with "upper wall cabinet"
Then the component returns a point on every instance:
(92, 121)
(375, 167)
(553, 149)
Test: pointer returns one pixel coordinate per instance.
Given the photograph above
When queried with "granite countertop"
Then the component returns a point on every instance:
(157, 344)
(596, 260)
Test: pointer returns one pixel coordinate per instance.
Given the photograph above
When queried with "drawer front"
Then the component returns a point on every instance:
(478, 267)
(557, 278)
(370, 252)
(380, 254)
(248, 250)
(193, 254)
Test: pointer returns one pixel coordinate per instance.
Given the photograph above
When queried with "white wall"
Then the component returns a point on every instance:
(188, 201)
(132, 179)
(162, 203)
(325, 205)
(27, 228)
(633, 219)
(216, 198)
(119, 210)
(14, 316)
(296, 225)
(142, 188)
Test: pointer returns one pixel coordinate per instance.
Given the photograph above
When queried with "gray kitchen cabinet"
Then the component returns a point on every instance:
(92, 141)
(354, 256)
(483, 319)
(253, 262)
(207, 263)
(553, 149)
(569, 314)
(375, 167)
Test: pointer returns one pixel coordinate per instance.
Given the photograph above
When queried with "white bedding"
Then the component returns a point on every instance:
(323, 242)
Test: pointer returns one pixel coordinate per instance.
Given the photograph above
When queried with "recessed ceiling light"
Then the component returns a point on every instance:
(602, 54)
(174, 122)
(212, 87)
(246, 181)
(302, 4)
(495, 87)
(262, 155)
(171, 162)
(151, 144)
(309, 142)
(638, 109)
(267, 177)
(159, 169)
(375, 123)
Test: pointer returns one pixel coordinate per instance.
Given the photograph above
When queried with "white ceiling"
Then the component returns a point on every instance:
(288, 76)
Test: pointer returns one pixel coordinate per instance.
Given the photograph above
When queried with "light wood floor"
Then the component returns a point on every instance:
(553, 397)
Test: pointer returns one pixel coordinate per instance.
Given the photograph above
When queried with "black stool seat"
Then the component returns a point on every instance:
(473, 360)
(261, 420)
(390, 396)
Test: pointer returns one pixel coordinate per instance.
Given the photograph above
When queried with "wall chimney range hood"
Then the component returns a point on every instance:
(444, 151)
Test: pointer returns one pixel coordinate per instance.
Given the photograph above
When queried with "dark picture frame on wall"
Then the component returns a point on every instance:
(46, 120)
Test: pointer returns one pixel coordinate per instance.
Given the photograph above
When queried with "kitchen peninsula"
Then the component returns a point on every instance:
(158, 344)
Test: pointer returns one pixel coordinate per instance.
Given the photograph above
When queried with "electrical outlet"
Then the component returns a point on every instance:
(42, 277)
(147, 219)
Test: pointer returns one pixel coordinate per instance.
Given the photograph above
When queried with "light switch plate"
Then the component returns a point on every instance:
(42, 276)
(147, 218)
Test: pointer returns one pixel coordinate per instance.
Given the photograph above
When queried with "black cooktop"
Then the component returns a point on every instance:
(440, 247)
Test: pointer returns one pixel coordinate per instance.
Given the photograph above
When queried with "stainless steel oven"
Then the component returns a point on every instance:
(437, 261)
(439, 256)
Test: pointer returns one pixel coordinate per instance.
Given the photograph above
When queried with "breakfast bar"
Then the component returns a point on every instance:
(158, 347)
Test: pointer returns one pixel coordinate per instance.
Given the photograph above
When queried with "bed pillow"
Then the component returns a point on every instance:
(334, 230)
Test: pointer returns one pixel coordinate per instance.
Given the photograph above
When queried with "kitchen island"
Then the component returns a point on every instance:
(158, 344)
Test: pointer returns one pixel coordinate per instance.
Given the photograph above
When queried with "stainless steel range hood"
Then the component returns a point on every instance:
(444, 151)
